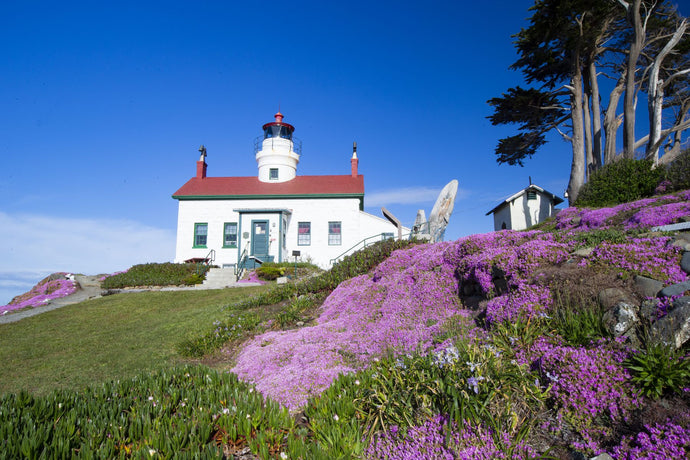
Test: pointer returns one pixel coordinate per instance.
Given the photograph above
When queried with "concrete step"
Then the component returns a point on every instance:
(219, 278)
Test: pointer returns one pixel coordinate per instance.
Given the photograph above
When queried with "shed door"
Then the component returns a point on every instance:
(260, 239)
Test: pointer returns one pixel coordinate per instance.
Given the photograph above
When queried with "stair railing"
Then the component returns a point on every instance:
(241, 266)
(208, 260)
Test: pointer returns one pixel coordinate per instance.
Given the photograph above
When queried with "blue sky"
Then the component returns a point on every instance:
(105, 105)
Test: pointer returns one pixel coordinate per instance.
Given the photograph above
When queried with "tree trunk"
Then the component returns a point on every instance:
(630, 100)
(587, 114)
(611, 120)
(596, 115)
(577, 170)
(655, 96)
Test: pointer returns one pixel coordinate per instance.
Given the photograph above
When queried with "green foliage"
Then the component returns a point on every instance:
(193, 279)
(620, 182)
(296, 309)
(353, 265)
(577, 320)
(235, 326)
(269, 271)
(183, 413)
(469, 383)
(659, 370)
(678, 172)
(595, 237)
(156, 274)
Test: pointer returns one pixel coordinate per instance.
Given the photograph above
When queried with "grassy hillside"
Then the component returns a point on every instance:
(112, 337)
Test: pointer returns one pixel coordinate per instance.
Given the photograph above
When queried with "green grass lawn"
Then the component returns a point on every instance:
(108, 338)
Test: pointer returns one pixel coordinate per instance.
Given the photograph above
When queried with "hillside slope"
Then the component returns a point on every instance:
(543, 285)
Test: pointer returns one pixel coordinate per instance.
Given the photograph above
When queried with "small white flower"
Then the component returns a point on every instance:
(150, 398)
(226, 411)
(249, 416)
(151, 452)
(251, 390)
(283, 455)
(336, 418)
(356, 382)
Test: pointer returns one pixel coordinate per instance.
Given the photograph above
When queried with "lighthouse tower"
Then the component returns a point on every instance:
(277, 157)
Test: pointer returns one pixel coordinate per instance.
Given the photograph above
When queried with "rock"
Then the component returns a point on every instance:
(621, 318)
(576, 221)
(675, 289)
(299, 323)
(498, 277)
(648, 287)
(674, 328)
(685, 262)
(281, 280)
(583, 252)
(603, 456)
(648, 310)
(681, 243)
(608, 298)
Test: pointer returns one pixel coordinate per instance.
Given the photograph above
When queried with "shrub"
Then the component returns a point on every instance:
(155, 274)
(269, 271)
(620, 182)
(659, 370)
(678, 172)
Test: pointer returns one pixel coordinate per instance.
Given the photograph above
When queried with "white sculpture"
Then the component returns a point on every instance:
(435, 228)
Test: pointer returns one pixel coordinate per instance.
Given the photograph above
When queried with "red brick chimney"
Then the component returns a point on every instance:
(201, 164)
(354, 161)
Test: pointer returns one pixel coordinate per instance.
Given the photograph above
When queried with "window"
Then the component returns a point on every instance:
(387, 236)
(200, 234)
(531, 195)
(303, 233)
(230, 235)
(334, 235)
(273, 174)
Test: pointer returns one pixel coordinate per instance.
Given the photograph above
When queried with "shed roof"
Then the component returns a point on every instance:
(556, 200)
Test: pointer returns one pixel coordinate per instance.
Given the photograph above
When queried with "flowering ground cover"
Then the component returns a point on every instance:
(645, 213)
(404, 304)
(55, 286)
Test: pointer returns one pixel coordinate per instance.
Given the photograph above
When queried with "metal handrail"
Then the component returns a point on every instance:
(379, 237)
(240, 267)
(208, 260)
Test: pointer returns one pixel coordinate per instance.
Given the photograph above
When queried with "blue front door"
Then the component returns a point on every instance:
(260, 239)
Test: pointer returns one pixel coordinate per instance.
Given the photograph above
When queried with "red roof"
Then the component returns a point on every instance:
(251, 187)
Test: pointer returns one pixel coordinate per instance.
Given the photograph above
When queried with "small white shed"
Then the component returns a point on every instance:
(524, 209)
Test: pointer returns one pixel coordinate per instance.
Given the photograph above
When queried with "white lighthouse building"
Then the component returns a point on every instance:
(277, 213)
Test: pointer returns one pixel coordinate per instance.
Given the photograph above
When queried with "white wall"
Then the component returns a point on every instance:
(522, 213)
(356, 225)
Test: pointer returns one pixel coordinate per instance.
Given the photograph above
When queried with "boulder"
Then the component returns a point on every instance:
(603, 456)
(648, 287)
(675, 289)
(674, 328)
(498, 277)
(609, 298)
(685, 262)
(583, 252)
(621, 318)
(648, 310)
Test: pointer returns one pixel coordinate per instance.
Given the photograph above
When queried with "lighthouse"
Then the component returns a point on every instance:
(277, 154)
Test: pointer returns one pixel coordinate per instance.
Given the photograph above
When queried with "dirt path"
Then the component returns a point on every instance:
(89, 288)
